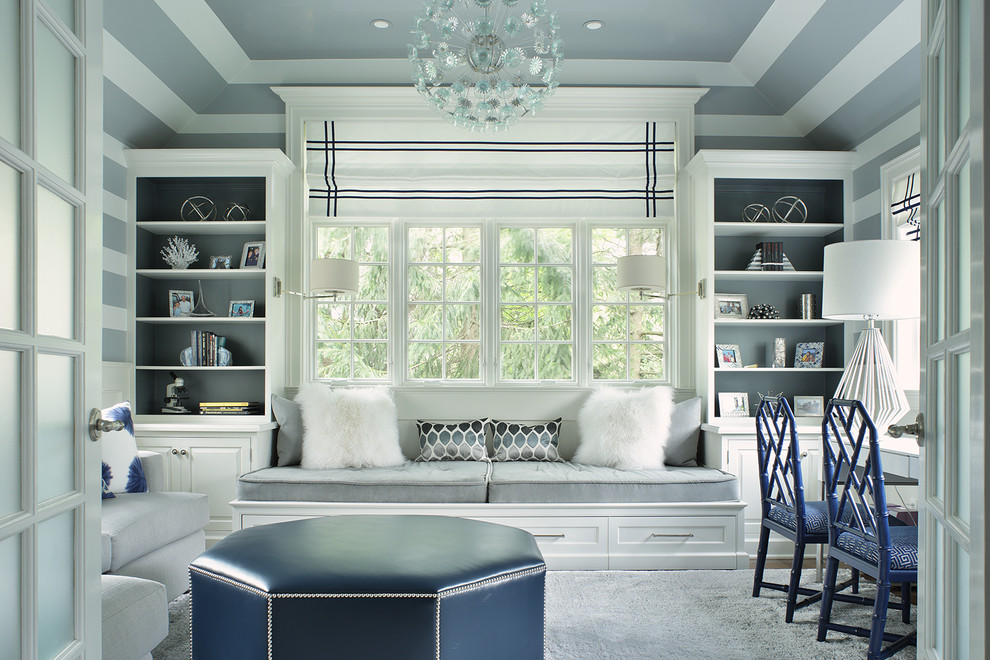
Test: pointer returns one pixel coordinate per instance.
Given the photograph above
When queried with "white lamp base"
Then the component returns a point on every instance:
(869, 377)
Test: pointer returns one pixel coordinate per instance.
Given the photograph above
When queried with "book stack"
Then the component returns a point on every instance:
(206, 348)
(772, 255)
(231, 408)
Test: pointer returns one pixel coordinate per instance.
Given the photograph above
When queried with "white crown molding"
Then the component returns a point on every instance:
(792, 160)
(404, 103)
(235, 158)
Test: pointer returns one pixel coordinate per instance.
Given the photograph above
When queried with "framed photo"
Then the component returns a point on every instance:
(241, 308)
(731, 306)
(222, 261)
(733, 404)
(180, 303)
(808, 354)
(809, 406)
(253, 255)
(728, 356)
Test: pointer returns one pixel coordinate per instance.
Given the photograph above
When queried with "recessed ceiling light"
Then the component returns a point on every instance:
(381, 23)
(594, 25)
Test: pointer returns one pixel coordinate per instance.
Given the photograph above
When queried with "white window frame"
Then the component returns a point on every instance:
(896, 331)
(582, 330)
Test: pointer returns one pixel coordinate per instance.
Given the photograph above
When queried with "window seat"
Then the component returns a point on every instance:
(584, 517)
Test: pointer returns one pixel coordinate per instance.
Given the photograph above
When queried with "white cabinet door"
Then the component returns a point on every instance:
(211, 466)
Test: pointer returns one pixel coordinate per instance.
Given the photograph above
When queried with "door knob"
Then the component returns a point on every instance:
(98, 425)
(917, 429)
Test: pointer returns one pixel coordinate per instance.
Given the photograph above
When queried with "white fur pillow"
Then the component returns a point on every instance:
(348, 428)
(625, 430)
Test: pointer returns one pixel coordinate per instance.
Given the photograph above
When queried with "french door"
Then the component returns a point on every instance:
(953, 577)
(50, 327)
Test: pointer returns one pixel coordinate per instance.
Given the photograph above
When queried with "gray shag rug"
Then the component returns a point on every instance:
(593, 615)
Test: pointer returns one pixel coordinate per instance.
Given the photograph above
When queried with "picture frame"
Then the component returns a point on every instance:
(809, 406)
(180, 303)
(733, 404)
(728, 356)
(253, 255)
(731, 306)
(241, 309)
(220, 262)
(808, 354)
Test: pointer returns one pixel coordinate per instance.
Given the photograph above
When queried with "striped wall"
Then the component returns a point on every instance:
(815, 74)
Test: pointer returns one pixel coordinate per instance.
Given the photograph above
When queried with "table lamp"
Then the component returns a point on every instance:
(875, 280)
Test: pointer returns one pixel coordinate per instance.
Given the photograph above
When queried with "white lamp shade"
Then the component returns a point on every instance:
(642, 272)
(333, 276)
(872, 279)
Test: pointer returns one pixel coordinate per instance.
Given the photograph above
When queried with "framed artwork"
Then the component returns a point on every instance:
(809, 406)
(808, 354)
(241, 308)
(253, 255)
(731, 306)
(728, 356)
(733, 404)
(222, 261)
(180, 303)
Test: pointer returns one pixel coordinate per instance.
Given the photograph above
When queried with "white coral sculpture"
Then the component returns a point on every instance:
(178, 253)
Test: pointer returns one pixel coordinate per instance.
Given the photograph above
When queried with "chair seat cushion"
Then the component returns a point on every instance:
(433, 481)
(135, 616)
(903, 550)
(815, 517)
(576, 482)
(137, 523)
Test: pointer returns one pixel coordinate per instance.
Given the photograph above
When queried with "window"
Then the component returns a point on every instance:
(491, 302)
(536, 303)
(443, 274)
(901, 198)
(352, 334)
(627, 333)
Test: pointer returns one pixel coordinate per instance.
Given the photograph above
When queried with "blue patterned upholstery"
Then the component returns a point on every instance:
(903, 548)
(815, 517)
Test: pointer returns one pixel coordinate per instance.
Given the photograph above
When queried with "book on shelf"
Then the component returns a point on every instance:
(206, 347)
(231, 408)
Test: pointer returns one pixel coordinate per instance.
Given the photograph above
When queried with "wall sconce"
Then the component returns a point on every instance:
(647, 274)
(328, 278)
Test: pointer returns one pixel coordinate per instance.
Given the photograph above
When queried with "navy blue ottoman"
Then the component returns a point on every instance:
(370, 587)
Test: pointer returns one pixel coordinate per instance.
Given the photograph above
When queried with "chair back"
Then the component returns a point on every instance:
(779, 456)
(854, 488)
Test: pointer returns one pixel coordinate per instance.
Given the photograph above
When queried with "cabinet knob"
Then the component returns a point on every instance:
(175, 452)
(183, 452)
(804, 454)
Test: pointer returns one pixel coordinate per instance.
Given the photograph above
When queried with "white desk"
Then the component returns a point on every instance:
(901, 456)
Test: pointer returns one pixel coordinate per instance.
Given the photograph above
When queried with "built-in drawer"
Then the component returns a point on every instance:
(576, 543)
(672, 542)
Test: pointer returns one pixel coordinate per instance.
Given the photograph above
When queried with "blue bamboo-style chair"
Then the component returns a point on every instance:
(784, 508)
(860, 534)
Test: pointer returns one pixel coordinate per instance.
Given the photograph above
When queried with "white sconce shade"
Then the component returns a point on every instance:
(331, 277)
(872, 279)
(642, 272)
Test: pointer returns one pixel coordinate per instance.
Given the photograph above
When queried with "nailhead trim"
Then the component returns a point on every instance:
(438, 597)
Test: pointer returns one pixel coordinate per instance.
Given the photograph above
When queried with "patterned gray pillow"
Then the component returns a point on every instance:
(464, 441)
(517, 442)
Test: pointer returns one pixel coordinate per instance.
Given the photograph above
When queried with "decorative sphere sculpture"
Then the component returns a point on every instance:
(756, 213)
(790, 209)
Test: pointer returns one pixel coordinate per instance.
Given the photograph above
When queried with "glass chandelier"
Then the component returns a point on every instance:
(483, 64)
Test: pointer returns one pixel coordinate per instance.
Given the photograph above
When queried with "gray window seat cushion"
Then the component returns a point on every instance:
(574, 482)
(434, 481)
(137, 523)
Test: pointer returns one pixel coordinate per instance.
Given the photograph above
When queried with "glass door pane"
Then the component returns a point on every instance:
(10, 247)
(962, 50)
(65, 10)
(10, 439)
(10, 71)
(56, 376)
(56, 269)
(55, 104)
(962, 260)
(56, 584)
(10, 597)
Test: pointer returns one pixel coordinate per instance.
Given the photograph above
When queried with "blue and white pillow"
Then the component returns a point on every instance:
(122, 470)
(464, 441)
(518, 442)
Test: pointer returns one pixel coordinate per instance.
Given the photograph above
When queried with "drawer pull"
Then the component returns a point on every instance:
(549, 536)
(688, 535)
